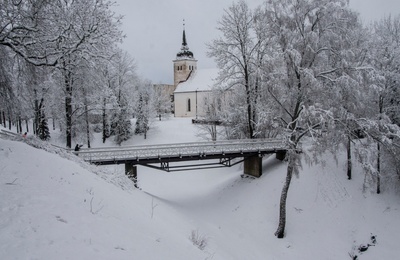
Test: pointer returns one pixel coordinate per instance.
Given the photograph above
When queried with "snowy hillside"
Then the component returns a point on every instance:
(54, 206)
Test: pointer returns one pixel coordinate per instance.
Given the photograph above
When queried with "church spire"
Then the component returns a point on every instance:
(184, 43)
(184, 53)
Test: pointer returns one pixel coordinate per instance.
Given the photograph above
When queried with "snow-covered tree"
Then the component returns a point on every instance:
(162, 101)
(208, 124)
(7, 96)
(383, 128)
(311, 39)
(122, 127)
(144, 111)
(237, 53)
(60, 34)
(123, 79)
(96, 27)
(43, 128)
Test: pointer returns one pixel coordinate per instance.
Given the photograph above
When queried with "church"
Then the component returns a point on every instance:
(192, 87)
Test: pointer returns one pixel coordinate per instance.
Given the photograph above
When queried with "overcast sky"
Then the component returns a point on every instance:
(153, 29)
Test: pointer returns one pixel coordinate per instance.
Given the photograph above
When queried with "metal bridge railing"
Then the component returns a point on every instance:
(180, 149)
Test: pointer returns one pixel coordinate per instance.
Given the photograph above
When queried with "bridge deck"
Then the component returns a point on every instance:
(182, 151)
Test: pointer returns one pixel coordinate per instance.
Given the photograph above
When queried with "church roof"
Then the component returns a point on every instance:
(199, 80)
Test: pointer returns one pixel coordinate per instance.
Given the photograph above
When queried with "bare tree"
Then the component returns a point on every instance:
(235, 53)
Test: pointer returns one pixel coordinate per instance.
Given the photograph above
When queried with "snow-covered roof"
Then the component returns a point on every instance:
(200, 80)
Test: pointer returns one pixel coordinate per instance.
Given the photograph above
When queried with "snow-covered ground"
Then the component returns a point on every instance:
(54, 206)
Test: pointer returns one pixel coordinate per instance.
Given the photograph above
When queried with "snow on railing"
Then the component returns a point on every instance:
(180, 149)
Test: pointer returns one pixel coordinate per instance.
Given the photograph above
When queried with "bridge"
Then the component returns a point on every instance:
(162, 156)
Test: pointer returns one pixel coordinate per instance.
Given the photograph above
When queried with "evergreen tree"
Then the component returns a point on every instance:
(142, 120)
(144, 108)
(122, 127)
(43, 129)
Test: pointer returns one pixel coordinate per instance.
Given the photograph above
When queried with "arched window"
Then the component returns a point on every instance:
(188, 105)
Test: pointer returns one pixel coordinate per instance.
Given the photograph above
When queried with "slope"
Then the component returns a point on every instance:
(55, 209)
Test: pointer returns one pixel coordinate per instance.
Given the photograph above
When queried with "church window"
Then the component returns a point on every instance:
(188, 105)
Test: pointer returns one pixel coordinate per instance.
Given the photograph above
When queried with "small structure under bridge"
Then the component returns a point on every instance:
(169, 157)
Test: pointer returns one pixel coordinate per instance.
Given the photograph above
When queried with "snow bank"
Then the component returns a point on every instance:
(53, 208)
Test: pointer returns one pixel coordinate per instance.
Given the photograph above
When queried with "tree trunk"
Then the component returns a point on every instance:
(20, 124)
(280, 232)
(249, 115)
(104, 121)
(214, 132)
(349, 158)
(87, 121)
(37, 112)
(378, 159)
(68, 109)
(9, 119)
(4, 119)
(249, 104)
(17, 125)
(378, 170)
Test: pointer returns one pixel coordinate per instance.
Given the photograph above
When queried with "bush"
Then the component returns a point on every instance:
(198, 240)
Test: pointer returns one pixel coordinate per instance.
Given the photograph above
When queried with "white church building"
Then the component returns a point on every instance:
(192, 87)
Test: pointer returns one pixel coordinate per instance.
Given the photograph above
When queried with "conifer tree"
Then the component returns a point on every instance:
(43, 129)
(142, 120)
(144, 108)
(122, 127)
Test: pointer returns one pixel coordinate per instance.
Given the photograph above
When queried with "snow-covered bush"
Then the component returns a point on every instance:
(198, 240)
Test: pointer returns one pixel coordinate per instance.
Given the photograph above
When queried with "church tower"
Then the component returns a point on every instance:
(184, 64)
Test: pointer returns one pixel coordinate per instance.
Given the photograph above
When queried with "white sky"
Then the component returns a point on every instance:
(153, 29)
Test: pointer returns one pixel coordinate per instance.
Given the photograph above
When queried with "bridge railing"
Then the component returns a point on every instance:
(180, 149)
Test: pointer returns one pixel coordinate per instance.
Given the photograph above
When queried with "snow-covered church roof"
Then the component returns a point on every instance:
(200, 80)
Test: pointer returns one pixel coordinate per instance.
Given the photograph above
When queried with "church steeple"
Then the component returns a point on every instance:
(184, 64)
(184, 52)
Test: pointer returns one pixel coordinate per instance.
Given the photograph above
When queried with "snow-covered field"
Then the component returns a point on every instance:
(54, 206)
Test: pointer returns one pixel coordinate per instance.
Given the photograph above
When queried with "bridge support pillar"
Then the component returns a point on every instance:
(131, 172)
(280, 155)
(253, 166)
